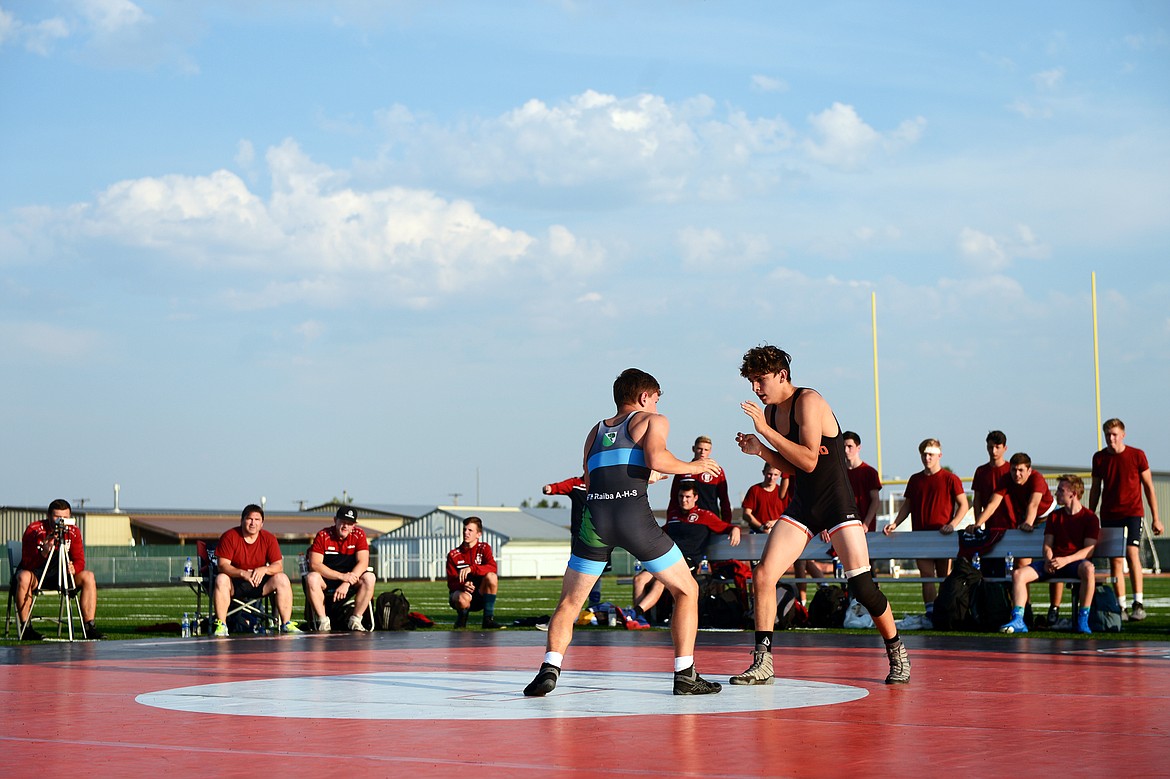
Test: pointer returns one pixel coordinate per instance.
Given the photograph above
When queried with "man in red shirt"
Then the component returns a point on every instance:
(38, 548)
(765, 502)
(1025, 495)
(250, 565)
(472, 579)
(1070, 535)
(712, 488)
(934, 500)
(339, 566)
(865, 481)
(1120, 474)
(991, 476)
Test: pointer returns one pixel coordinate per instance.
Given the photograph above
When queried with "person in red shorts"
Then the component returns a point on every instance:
(339, 562)
(251, 565)
(765, 502)
(472, 580)
(934, 500)
(866, 483)
(39, 555)
(1120, 474)
(1070, 536)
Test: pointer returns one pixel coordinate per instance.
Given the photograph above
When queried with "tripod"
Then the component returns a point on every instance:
(57, 566)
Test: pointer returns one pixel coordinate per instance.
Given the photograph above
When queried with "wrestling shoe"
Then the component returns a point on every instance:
(689, 682)
(290, 627)
(899, 663)
(1083, 622)
(355, 624)
(324, 625)
(1015, 626)
(545, 681)
(221, 630)
(1137, 613)
(91, 631)
(489, 623)
(31, 634)
(760, 671)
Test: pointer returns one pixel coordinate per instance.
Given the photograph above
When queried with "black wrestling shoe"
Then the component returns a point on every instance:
(689, 682)
(489, 623)
(31, 634)
(91, 631)
(545, 681)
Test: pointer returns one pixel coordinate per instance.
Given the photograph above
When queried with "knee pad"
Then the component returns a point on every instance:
(864, 591)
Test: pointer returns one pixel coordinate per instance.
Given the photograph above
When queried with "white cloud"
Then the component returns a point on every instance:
(762, 83)
(844, 140)
(40, 38)
(7, 26)
(1048, 79)
(987, 253)
(707, 249)
(111, 16)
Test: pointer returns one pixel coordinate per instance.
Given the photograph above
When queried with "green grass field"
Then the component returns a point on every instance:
(135, 612)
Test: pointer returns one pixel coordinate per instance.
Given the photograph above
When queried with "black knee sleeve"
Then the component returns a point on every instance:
(864, 591)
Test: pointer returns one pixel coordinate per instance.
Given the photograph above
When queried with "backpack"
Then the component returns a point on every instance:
(788, 609)
(720, 605)
(991, 605)
(1105, 611)
(952, 608)
(392, 611)
(828, 606)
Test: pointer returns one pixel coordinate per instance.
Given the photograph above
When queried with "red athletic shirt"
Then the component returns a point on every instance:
(932, 499)
(712, 492)
(1069, 531)
(265, 550)
(31, 558)
(479, 558)
(864, 479)
(339, 554)
(1018, 496)
(765, 506)
(987, 479)
(1121, 483)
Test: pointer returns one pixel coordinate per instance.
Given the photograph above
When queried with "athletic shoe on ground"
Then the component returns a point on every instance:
(1137, 613)
(1083, 623)
(1053, 615)
(542, 626)
(221, 630)
(545, 681)
(760, 671)
(355, 624)
(460, 620)
(689, 682)
(1015, 626)
(91, 631)
(323, 625)
(290, 627)
(31, 634)
(489, 623)
(899, 664)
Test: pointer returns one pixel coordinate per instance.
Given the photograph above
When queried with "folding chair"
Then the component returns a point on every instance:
(47, 582)
(245, 615)
(338, 612)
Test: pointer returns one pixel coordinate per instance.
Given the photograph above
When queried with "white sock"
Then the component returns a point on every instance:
(683, 663)
(554, 658)
(1137, 598)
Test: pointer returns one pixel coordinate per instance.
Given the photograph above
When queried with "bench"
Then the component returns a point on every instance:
(911, 545)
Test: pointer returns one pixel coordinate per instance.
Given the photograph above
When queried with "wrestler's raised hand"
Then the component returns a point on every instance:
(748, 443)
(756, 413)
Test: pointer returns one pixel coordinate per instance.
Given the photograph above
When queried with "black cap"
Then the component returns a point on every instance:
(346, 514)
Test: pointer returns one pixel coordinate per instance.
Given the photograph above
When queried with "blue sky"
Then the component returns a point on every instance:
(402, 249)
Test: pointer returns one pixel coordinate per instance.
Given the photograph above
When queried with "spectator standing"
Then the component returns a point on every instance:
(991, 476)
(1120, 474)
(712, 487)
(865, 481)
(472, 577)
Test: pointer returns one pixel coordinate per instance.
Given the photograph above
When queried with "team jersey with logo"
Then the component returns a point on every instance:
(337, 553)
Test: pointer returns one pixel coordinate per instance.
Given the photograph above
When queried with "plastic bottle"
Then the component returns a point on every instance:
(188, 569)
(637, 567)
(704, 566)
(1009, 564)
(839, 570)
(185, 628)
(975, 560)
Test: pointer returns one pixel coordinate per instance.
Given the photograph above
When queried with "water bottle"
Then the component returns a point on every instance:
(1009, 564)
(185, 628)
(704, 566)
(188, 569)
(637, 567)
(839, 570)
(975, 560)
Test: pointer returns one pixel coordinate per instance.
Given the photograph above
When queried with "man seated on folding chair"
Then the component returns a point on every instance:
(38, 558)
(339, 561)
(250, 567)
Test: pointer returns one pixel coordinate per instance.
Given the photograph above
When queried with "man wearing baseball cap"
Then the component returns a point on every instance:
(339, 562)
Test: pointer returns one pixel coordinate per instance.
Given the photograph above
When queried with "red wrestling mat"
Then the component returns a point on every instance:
(1023, 707)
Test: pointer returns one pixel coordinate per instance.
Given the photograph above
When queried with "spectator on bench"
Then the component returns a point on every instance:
(691, 528)
(1070, 536)
(251, 566)
(934, 500)
(339, 562)
(471, 577)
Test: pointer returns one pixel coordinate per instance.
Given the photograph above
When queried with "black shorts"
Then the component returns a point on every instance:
(476, 597)
(242, 589)
(1133, 529)
(628, 523)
